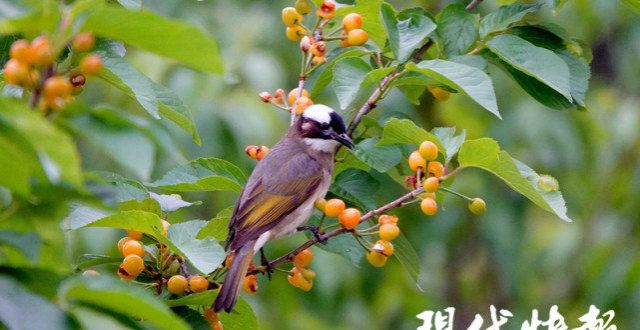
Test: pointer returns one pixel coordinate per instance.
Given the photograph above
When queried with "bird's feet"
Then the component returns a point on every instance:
(316, 233)
(266, 264)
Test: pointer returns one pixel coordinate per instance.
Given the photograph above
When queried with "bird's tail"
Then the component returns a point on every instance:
(228, 295)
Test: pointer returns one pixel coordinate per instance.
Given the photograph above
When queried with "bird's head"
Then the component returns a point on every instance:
(323, 129)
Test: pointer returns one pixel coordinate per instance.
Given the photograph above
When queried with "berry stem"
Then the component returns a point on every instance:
(455, 193)
(472, 5)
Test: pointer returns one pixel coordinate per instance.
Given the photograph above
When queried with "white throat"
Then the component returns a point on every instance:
(323, 145)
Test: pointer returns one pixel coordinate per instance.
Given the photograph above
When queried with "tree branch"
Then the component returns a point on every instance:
(472, 5)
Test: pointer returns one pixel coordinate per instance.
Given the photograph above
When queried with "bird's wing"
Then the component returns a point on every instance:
(270, 196)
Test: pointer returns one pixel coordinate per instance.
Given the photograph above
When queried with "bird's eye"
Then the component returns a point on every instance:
(324, 125)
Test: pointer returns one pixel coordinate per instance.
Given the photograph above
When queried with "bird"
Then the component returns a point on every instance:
(279, 195)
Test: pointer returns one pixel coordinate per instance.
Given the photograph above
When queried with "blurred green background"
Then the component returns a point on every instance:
(516, 256)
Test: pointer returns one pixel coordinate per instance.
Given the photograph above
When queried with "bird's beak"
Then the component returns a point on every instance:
(344, 139)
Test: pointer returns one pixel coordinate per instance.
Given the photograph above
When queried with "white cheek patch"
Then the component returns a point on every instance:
(318, 112)
(322, 144)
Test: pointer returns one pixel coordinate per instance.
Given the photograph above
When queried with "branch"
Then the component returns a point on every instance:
(472, 5)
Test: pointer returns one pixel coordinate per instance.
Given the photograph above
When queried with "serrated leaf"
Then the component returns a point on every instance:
(458, 29)
(485, 153)
(469, 80)
(407, 30)
(170, 203)
(218, 227)
(348, 75)
(449, 139)
(371, 21)
(356, 186)
(203, 174)
(381, 158)
(204, 254)
(405, 131)
(504, 17)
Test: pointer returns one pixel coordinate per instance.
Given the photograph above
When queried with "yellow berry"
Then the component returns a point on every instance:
(91, 64)
(303, 7)
(389, 232)
(376, 259)
(431, 184)
(435, 168)
(134, 234)
(429, 206)
(84, 42)
(295, 33)
(291, 17)
(302, 103)
(383, 247)
(387, 219)
(261, 152)
(477, 206)
(131, 266)
(21, 51)
(416, 161)
(57, 86)
(42, 51)
(357, 37)
(177, 284)
(293, 95)
(198, 283)
(334, 207)
(428, 150)
(327, 9)
(320, 204)
(133, 247)
(16, 72)
(352, 21)
(308, 274)
(121, 243)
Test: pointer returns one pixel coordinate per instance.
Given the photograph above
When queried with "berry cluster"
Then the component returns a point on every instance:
(31, 66)
(256, 152)
(291, 101)
(383, 249)
(348, 218)
(299, 276)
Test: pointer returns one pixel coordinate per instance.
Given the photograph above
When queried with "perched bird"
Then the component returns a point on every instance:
(279, 195)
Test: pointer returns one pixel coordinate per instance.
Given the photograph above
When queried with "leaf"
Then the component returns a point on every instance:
(217, 227)
(407, 31)
(537, 62)
(485, 153)
(28, 243)
(357, 187)
(242, 317)
(633, 4)
(170, 203)
(89, 318)
(408, 257)
(405, 131)
(343, 245)
(371, 21)
(320, 79)
(203, 174)
(204, 254)
(505, 16)
(348, 74)
(381, 158)
(118, 296)
(124, 189)
(376, 75)
(458, 29)
(146, 30)
(22, 309)
(466, 79)
(205, 298)
(15, 165)
(148, 205)
(449, 139)
(580, 73)
(131, 4)
(91, 260)
(44, 18)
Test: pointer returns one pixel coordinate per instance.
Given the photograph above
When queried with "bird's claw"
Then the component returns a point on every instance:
(316, 233)
(266, 264)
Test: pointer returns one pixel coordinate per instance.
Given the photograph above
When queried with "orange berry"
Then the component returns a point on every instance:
(123, 275)
(131, 266)
(90, 272)
(133, 247)
(293, 95)
(228, 260)
(438, 93)
(250, 284)
(295, 33)
(436, 169)
(305, 285)
(295, 277)
(177, 284)
(376, 259)
(21, 51)
(291, 17)
(304, 258)
(302, 104)
(318, 60)
(57, 86)
(261, 152)
(303, 7)
(198, 283)
(320, 204)
(389, 231)
(431, 184)
(84, 42)
(387, 219)
(134, 234)
(349, 218)
(91, 64)
(278, 97)
(383, 247)
(327, 9)
(428, 150)
(213, 319)
(77, 79)
(429, 206)
(251, 151)
(121, 243)
(165, 226)
(334, 207)
(357, 37)
(319, 49)
(477, 206)
(344, 43)
(42, 51)
(431, 195)
(16, 72)
(352, 21)
(416, 161)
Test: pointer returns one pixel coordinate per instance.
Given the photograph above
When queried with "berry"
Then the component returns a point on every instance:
(428, 150)
(334, 207)
(376, 259)
(387, 219)
(42, 51)
(305, 44)
(252, 151)
(265, 97)
(122, 242)
(133, 247)
(295, 277)
(439, 93)
(352, 21)
(416, 161)
(318, 60)
(278, 98)
(431, 195)
(293, 95)
(389, 231)
(431, 184)
(295, 33)
(250, 284)
(308, 274)
(383, 247)
(319, 48)
(198, 283)
(302, 103)
(429, 206)
(177, 284)
(77, 79)
(344, 43)
(291, 17)
(327, 9)
(303, 259)
(21, 51)
(305, 285)
(84, 42)
(212, 319)
(320, 203)
(16, 72)
(228, 260)
(349, 218)
(90, 272)
(261, 152)
(477, 206)
(134, 234)
(303, 7)
(131, 266)
(435, 168)
(91, 64)
(165, 226)
(57, 86)
(357, 37)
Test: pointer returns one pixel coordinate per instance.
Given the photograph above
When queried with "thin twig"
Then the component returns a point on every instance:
(472, 5)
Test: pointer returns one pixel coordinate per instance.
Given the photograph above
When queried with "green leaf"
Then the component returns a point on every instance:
(148, 205)
(505, 16)
(205, 298)
(371, 21)
(407, 31)
(171, 203)
(218, 227)
(89, 318)
(376, 75)
(124, 189)
(131, 4)
(537, 62)
(22, 309)
(242, 317)
(458, 29)
(408, 257)
(321, 79)
(204, 254)
(348, 75)
(466, 79)
(538, 90)
(580, 73)
(43, 18)
(343, 245)
(357, 187)
(118, 296)
(485, 153)
(91, 260)
(28, 243)
(381, 158)
(146, 30)
(16, 166)
(633, 4)
(449, 139)
(203, 174)
(405, 131)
